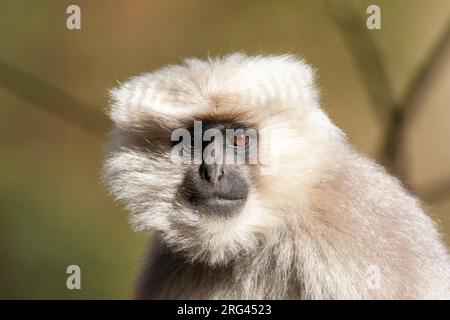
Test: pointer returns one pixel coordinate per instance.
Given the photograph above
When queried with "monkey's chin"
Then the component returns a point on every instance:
(221, 207)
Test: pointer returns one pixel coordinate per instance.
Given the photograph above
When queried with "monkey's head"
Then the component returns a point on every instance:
(218, 156)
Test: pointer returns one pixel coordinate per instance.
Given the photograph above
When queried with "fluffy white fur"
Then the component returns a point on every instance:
(311, 229)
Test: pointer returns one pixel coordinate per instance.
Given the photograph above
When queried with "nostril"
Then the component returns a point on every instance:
(205, 173)
(211, 172)
(202, 172)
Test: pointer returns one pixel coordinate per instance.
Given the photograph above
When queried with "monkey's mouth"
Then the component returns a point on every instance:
(224, 201)
(219, 205)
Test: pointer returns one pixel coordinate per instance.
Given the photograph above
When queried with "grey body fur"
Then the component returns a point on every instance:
(330, 258)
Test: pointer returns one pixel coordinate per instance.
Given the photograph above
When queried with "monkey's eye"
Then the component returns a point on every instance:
(240, 140)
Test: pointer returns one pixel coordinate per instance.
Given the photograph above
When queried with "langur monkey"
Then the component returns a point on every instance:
(311, 218)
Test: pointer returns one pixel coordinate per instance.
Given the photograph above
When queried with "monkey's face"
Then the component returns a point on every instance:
(216, 193)
(217, 176)
(196, 185)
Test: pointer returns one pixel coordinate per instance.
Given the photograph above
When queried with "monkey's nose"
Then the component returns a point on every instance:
(212, 173)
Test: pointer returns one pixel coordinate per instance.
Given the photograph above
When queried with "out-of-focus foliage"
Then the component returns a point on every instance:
(54, 211)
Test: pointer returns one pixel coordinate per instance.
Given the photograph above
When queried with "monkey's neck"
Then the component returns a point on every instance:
(167, 275)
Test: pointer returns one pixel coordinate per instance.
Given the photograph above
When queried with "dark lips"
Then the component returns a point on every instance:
(222, 206)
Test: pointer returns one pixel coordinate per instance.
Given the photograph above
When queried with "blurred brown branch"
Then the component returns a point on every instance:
(397, 115)
(365, 53)
(402, 113)
(53, 100)
(438, 192)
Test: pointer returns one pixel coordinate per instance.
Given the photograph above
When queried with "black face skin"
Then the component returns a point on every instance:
(217, 187)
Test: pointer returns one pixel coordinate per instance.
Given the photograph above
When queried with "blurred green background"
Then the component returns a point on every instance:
(54, 210)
